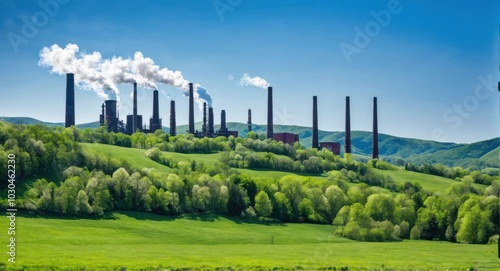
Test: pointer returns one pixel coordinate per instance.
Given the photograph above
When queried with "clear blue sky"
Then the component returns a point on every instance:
(424, 64)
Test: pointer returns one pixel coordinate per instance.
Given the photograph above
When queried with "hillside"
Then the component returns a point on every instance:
(397, 150)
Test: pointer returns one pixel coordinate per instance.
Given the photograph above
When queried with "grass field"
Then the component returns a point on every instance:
(137, 240)
(146, 241)
(429, 182)
(135, 157)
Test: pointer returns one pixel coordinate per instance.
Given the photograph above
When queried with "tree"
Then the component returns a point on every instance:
(263, 204)
(200, 198)
(282, 208)
(343, 217)
(404, 228)
(380, 207)
(320, 205)
(82, 203)
(306, 209)
(475, 227)
(291, 186)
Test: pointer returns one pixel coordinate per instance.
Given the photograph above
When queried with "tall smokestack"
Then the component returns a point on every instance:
(270, 131)
(347, 125)
(204, 126)
(173, 124)
(249, 120)
(111, 117)
(210, 121)
(102, 116)
(134, 117)
(375, 130)
(156, 104)
(154, 122)
(315, 123)
(223, 127)
(191, 109)
(70, 100)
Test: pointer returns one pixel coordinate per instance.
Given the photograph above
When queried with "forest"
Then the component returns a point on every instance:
(59, 178)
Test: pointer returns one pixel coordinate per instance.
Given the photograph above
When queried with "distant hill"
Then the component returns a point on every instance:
(26, 120)
(394, 149)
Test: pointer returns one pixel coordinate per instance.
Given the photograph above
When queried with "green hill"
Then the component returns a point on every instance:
(394, 149)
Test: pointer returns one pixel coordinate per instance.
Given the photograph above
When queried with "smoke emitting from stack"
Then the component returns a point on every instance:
(256, 81)
(93, 72)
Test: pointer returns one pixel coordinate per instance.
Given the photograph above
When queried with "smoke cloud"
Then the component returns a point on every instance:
(103, 75)
(256, 81)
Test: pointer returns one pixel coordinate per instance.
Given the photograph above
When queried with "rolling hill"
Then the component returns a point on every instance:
(397, 150)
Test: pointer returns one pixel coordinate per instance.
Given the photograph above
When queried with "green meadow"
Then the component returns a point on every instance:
(141, 241)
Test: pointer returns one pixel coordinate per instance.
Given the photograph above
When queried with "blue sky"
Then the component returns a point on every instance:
(433, 66)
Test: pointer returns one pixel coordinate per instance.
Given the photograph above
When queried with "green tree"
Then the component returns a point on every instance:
(343, 217)
(475, 227)
(380, 207)
(282, 208)
(263, 204)
(82, 205)
(336, 199)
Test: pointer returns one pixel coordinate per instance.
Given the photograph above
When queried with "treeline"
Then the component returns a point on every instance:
(362, 212)
(484, 176)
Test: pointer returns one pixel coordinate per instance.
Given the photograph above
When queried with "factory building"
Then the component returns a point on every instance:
(287, 138)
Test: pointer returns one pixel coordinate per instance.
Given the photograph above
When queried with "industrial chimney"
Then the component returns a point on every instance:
(204, 126)
(134, 114)
(347, 125)
(173, 124)
(111, 116)
(70, 100)
(154, 122)
(270, 131)
(249, 120)
(191, 109)
(102, 116)
(375, 130)
(315, 123)
(223, 128)
(210, 121)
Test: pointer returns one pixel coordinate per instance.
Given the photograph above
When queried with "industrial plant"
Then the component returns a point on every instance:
(109, 118)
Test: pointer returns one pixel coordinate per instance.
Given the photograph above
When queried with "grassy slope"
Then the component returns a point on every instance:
(138, 240)
(135, 157)
(429, 182)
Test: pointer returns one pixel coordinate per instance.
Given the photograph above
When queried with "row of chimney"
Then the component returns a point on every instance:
(110, 116)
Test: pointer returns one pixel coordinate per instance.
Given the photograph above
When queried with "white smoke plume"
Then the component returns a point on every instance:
(102, 75)
(256, 81)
